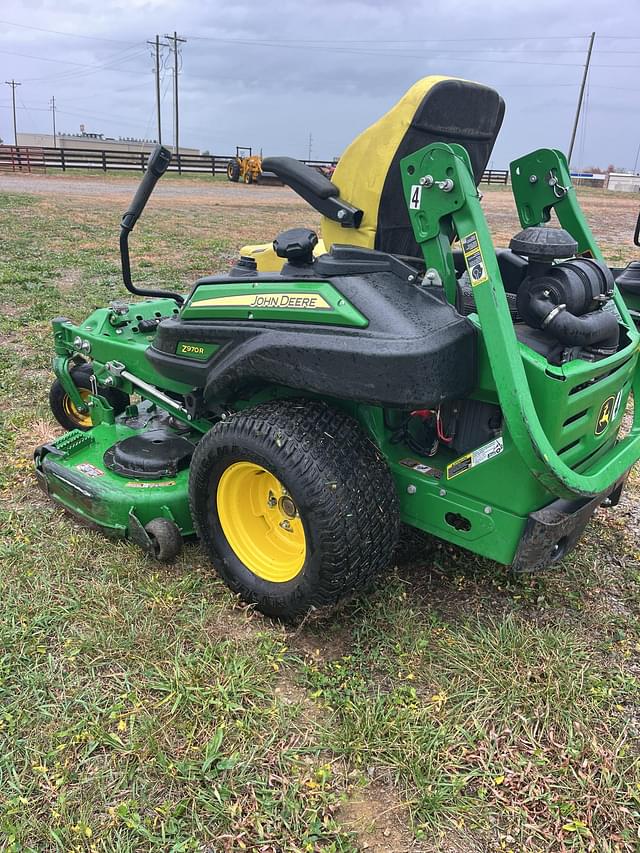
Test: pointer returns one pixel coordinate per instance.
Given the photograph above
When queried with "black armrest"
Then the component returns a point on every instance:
(314, 188)
(289, 169)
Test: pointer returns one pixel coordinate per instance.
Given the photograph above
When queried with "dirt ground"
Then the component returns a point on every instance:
(611, 215)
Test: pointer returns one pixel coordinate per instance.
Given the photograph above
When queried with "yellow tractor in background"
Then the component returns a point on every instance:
(247, 167)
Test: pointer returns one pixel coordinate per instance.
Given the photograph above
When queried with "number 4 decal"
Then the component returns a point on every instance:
(416, 195)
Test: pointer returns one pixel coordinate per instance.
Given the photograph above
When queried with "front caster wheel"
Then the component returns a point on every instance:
(68, 415)
(295, 506)
(165, 538)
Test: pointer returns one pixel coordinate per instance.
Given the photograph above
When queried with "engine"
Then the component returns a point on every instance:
(559, 307)
(566, 299)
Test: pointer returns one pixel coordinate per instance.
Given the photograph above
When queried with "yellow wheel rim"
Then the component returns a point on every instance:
(261, 522)
(83, 419)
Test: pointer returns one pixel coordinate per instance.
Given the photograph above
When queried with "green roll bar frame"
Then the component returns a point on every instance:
(441, 192)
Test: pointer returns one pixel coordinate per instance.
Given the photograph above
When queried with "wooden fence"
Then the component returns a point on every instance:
(28, 159)
(106, 160)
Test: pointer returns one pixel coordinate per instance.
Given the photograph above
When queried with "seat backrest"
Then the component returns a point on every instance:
(435, 109)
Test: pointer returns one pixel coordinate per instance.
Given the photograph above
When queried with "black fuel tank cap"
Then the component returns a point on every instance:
(296, 245)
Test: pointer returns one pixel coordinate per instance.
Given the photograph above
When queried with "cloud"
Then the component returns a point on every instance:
(269, 74)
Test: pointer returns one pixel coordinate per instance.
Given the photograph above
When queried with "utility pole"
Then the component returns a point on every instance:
(53, 115)
(310, 141)
(13, 85)
(580, 96)
(175, 41)
(156, 46)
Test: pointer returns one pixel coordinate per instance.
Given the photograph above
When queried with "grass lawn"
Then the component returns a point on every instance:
(143, 708)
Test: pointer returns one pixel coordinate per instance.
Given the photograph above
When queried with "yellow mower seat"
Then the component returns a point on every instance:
(435, 109)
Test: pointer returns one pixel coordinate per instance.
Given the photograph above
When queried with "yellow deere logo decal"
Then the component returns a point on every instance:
(306, 301)
(604, 418)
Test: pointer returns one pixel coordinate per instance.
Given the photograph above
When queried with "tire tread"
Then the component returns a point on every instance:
(348, 484)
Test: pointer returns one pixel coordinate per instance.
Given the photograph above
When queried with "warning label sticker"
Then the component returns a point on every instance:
(473, 259)
(476, 457)
(415, 197)
(421, 468)
(89, 469)
(146, 484)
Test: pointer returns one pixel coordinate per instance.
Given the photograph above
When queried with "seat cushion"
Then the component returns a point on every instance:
(435, 109)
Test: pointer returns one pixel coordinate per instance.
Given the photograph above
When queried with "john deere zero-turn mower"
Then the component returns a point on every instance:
(411, 373)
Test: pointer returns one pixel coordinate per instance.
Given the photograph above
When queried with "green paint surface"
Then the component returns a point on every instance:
(288, 301)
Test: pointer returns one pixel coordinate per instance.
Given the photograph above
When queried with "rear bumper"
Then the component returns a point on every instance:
(553, 531)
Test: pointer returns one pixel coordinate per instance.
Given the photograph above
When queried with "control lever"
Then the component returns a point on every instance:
(156, 167)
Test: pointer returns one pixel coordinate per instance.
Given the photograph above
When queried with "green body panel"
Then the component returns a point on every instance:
(112, 339)
(428, 496)
(78, 479)
(525, 412)
(291, 301)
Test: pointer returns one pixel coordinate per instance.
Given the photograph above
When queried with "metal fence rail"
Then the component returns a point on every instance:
(495, 176)
(14, 159)
(26, 159)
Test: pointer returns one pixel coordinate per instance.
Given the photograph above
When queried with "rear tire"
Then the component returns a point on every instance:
(64, 411)
(233, 171)
(310, 470)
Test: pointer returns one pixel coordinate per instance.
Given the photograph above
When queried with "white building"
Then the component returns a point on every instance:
(625, 182)
(92, 142)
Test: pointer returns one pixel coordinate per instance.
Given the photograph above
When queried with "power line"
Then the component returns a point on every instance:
(474, 39)
(111, 64)
(62, 33)
(338, 45)
(83, 114)
(485, 38)
(50, 59)
(13, 85)
(330, 48)
(334, 47)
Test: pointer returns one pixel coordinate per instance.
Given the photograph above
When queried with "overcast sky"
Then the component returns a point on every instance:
(269, 73)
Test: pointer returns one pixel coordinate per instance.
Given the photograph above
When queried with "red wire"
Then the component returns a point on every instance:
(427, 413)
(439, 432)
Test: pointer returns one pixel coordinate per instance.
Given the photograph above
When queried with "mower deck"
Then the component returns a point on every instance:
(73, 472)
